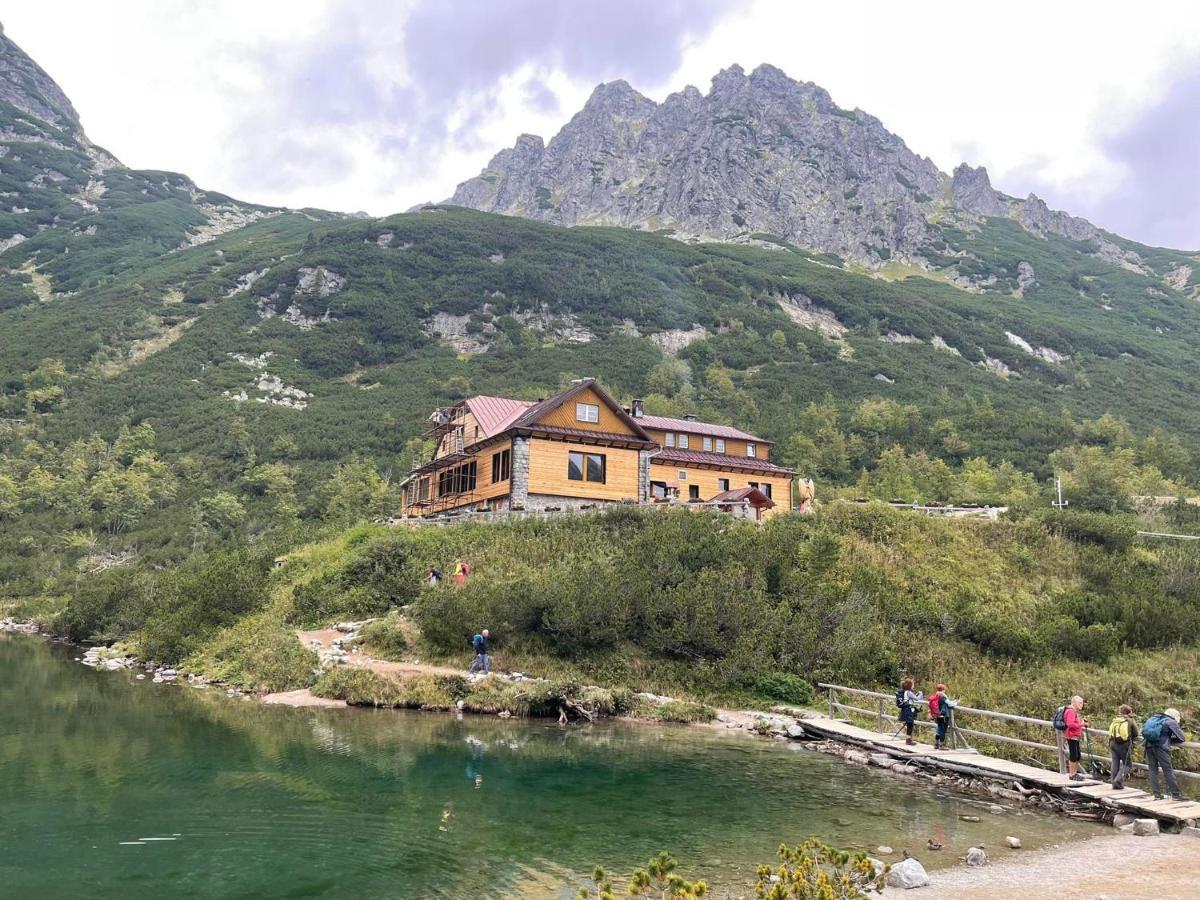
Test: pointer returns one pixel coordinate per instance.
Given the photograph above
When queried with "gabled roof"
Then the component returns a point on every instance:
(494, 414)
(754, 496)
(530, 418)
(705, 428)
(673, 455)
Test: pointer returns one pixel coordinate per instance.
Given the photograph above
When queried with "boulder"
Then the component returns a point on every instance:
(970, 818)
(1189, 831)
(877, 864)
(907, 874)
(1145, 827)
(977, 856)
(1013, 842)
(1125, 829)
(884, 851)
(1121, 819)
(794, 731)
(882, 760)
(996, 810)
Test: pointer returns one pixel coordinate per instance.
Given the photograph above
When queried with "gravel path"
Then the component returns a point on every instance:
(1117, 867)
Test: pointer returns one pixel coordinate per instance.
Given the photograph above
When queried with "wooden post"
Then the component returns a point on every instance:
(882, 720)
(831, 703)
(1062, 752)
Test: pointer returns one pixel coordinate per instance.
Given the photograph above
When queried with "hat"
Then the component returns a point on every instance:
(1173, 713)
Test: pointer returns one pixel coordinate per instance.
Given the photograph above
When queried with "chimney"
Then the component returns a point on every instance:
(691, 417)
(637, 410)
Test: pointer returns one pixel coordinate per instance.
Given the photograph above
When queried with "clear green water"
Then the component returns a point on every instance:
(264, 801)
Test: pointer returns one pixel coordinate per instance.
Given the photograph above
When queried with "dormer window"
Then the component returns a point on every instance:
(720, 445)
(708, 444)
(683, 441)
(750, 449)
(670, 439)
(587, 412)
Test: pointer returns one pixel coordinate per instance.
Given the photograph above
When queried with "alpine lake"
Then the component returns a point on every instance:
(114, 787)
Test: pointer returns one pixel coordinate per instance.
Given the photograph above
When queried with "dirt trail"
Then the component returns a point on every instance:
(1119, 867)
(360, 661)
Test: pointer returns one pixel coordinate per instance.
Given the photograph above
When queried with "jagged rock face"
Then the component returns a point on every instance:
(25, 85)
(758, 153)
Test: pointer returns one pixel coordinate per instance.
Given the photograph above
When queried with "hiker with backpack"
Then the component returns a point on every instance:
(1122, 734)
(1160, 732)
(907, 701)
(941, 708)
(480, 644)
(1070, 721)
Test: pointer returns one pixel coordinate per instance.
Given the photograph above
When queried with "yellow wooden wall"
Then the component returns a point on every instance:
(548, 470)
(696, 442)
(564, 416)
(781, 486)
(485, 489)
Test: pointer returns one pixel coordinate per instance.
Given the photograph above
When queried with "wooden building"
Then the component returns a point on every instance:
(581, 448)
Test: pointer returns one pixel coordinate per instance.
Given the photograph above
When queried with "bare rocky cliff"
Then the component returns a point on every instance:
(758, 156)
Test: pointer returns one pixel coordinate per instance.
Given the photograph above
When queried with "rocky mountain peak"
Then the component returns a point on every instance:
(25, 85)
(758, 154)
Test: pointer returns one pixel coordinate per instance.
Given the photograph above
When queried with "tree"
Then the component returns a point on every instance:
(357, 492)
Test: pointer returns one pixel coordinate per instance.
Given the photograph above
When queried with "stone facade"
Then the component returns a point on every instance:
(519, 483)
(644, 457)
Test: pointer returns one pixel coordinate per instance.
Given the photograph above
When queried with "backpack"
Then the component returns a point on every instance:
(1152, 731)
(900, 704)
(477, 642)
(1119, 729)
(1060, 719)
(935, 703)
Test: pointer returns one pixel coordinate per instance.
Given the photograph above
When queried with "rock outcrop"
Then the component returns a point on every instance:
(758, 156)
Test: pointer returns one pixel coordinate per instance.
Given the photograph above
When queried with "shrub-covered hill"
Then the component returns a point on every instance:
(1012, 614)
(258, 366)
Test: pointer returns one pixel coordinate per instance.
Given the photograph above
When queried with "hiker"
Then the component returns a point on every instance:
(434, 576)
(940, 710)
(481, 663)
(461, 571)
(1075, 724)
(1122, 733)
(1160, 732)
(907, 700)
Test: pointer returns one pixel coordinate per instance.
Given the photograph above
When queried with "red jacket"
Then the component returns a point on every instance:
(1074, 724)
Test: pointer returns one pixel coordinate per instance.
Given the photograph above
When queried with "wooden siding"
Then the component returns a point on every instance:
(781, 486)
(485, 488)
(471, 433)
(564, 416)
(548, 470)
(696, 442)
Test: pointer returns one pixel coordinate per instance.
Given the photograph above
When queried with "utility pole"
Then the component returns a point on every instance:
(1060, 502)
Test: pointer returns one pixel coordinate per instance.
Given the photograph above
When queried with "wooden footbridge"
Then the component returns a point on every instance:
(961, 758)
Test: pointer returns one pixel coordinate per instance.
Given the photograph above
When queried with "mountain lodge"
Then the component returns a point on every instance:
(580, 449)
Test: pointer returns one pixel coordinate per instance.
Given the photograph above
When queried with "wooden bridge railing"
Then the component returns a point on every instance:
(882, 709)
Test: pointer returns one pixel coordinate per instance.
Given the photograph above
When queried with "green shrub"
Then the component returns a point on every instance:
(784, 687)
(384, 639)
(1115, 533)
(258, 654)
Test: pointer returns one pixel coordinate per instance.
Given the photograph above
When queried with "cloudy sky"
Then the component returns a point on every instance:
(357, 105)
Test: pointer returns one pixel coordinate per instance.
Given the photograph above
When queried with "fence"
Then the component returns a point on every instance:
(958, 735)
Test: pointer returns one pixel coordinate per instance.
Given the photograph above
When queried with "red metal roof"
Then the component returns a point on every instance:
(706, 428)
(756, 498)
(494, 414)
(673, 455)
(586, 434)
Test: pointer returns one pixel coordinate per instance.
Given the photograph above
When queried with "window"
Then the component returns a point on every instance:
(457, 480)
(722, 484)
(693, 492)
(753, 484)
(670, 439)
(658, 490)
(720, 445)
(749, 449)
(501, 465)
(683, 474)
(708, 444)
(587, 412)
(683, 438)
(586, 467)
(766, 489)
(423, 489)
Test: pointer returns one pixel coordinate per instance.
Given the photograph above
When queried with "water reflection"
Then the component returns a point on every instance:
(137, 789)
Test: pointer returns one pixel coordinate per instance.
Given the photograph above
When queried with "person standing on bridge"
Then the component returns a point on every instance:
(1076, 723)
(1122, 734)
(1161, 731)
(940, 705)
(908, 700)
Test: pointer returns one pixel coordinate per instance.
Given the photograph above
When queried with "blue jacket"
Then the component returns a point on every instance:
(1171, 733)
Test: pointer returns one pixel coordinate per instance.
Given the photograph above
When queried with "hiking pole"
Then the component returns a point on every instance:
(1093, 763)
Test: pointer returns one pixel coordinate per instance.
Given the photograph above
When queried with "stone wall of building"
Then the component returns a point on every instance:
(519, 474)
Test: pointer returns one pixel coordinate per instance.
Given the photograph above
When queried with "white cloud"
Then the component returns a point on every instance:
(325, 103)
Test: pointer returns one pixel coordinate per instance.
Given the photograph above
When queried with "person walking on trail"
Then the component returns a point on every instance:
(481, 663)
(434, 577)
(1160, 732)
(1122, 734)
(461, 571)
(940, 706)
(907, 700)
(1075, 724)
